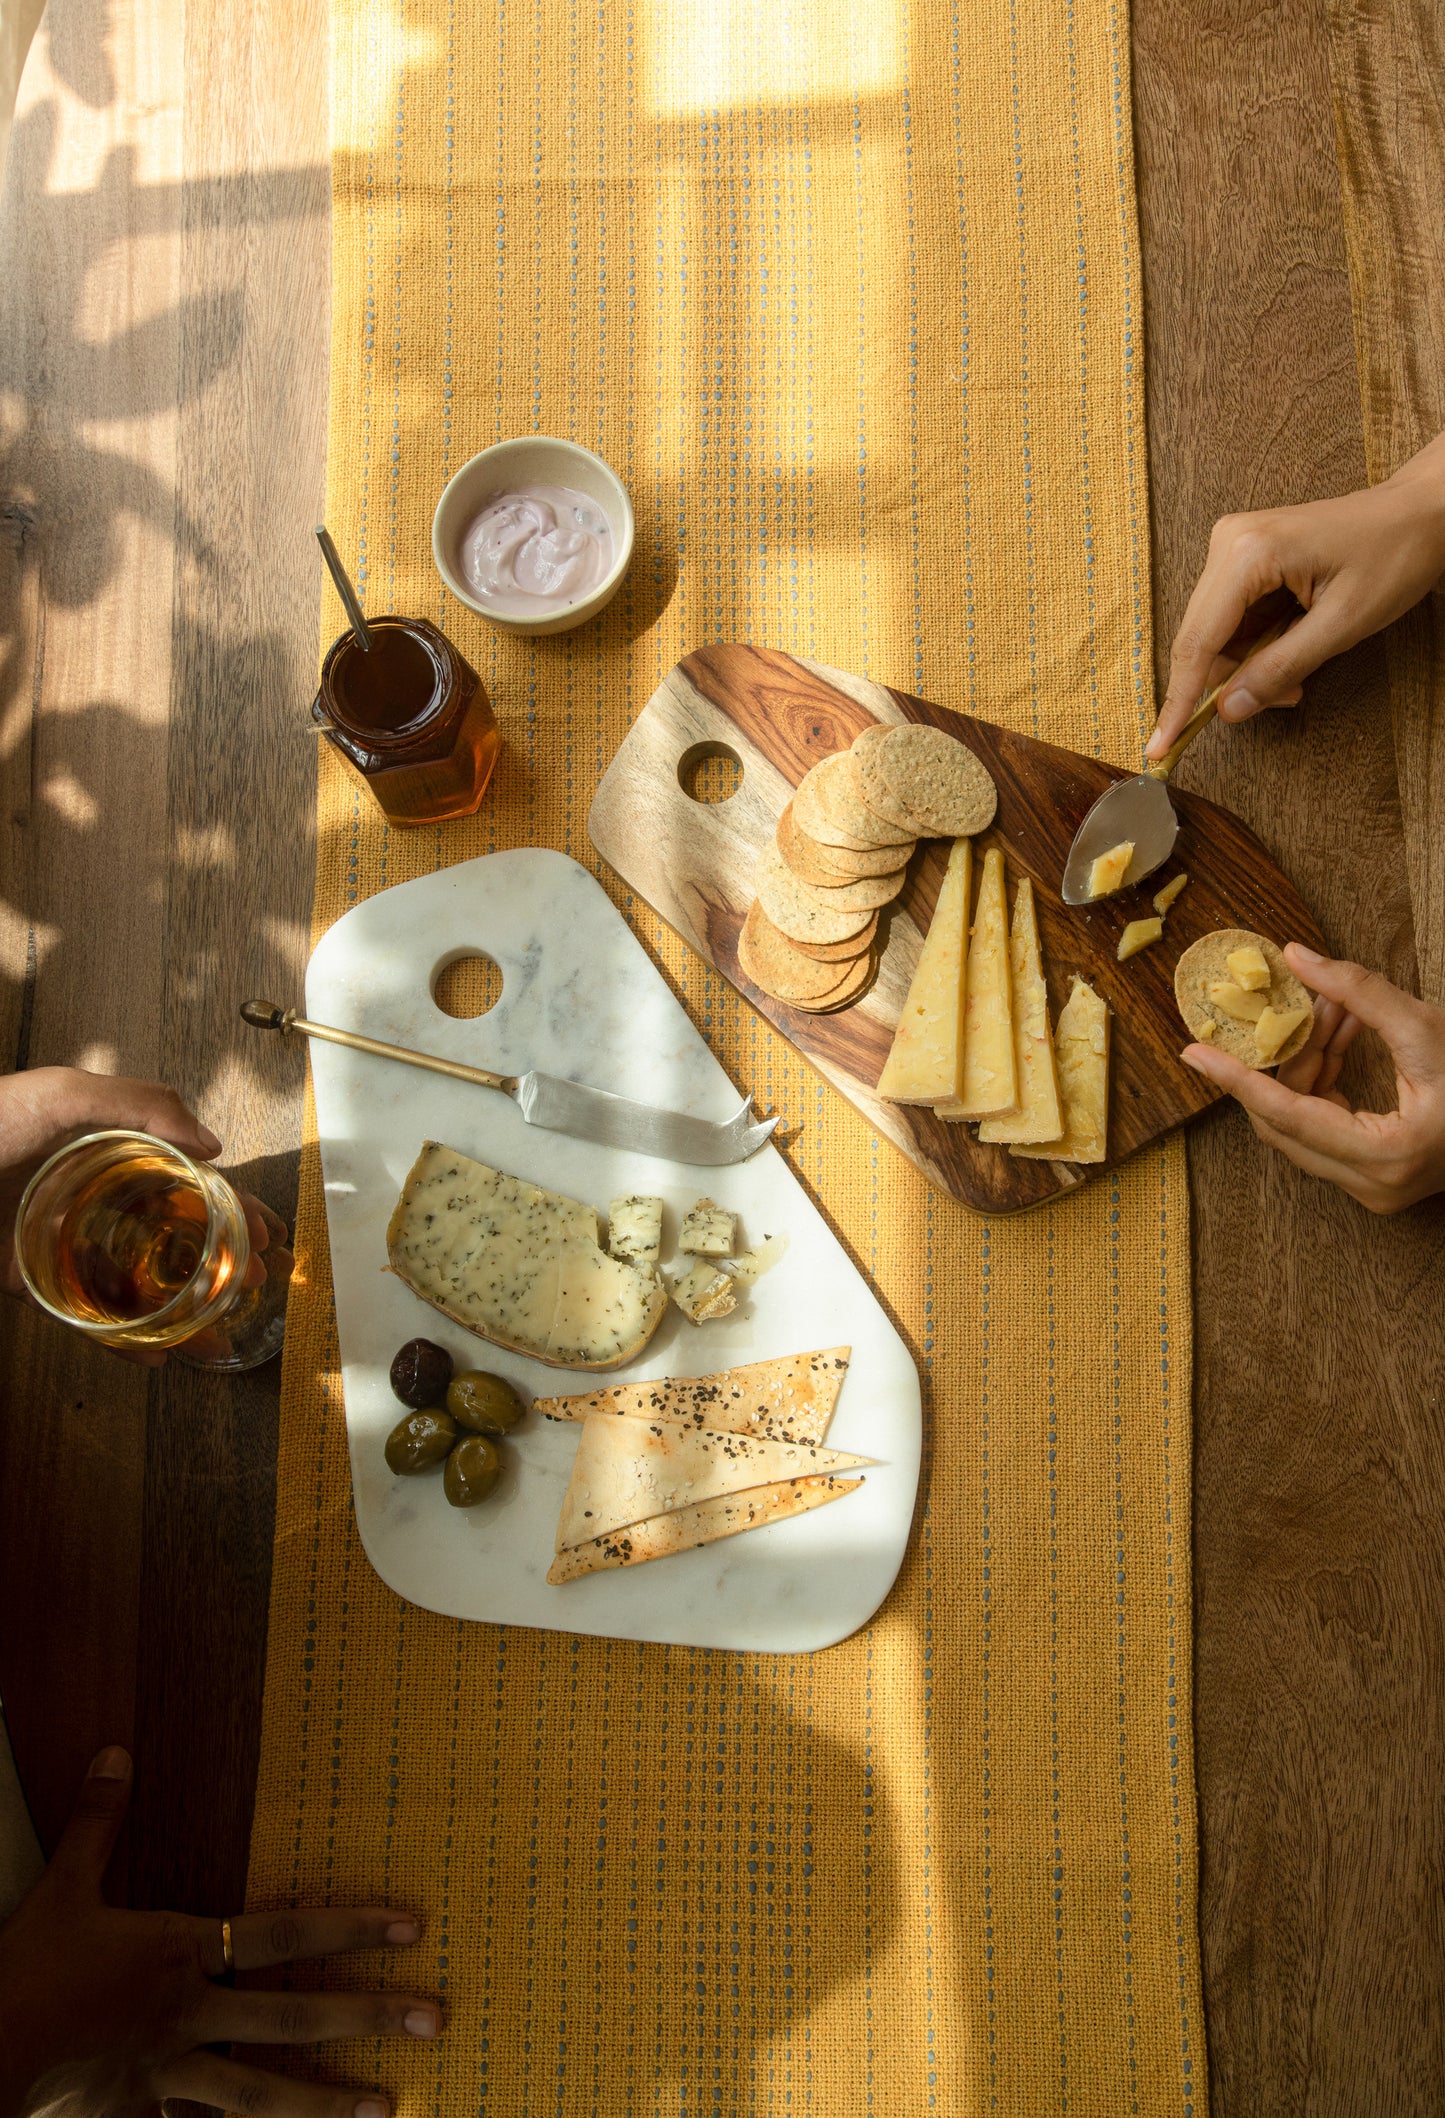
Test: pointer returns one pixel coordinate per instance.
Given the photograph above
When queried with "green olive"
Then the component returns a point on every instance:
(486, 1403)
(473, 1468)
(420, 1441)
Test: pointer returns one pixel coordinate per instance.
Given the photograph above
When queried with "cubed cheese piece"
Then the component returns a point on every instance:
(1138, 935)
(1233, 1000)
(1276, 1026)
(1164, 898)
(925, 1064)
(708, 1231)
(1040, 1113)
(1248, 968)
(990, 1069)
(1081, 1044)
(705, 1291)
(1109, 870)
(518, 1265)
(634, 1229)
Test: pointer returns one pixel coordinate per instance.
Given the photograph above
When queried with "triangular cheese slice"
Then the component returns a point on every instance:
(1081, 1046)
(628, 1470)
(1040, 1114)
(990, 1070)
(705, 1523)
(789, 1399)
(925, 1064)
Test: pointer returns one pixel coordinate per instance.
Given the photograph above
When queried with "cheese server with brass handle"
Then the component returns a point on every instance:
(558, 1106)
(1138, 812)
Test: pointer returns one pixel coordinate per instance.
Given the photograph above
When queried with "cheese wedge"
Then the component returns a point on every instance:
(1081, 1045)
(1040, 1113)
(627, 1471)
(518, 1265)
(704, 1523)
(789, 1399)
(925, 1064)
(990, 1069)
(1108, 871)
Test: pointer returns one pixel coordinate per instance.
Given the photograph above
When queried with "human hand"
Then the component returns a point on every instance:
(1352, 565)
(104, 2012)
(1385, 1160)
(42, 1109)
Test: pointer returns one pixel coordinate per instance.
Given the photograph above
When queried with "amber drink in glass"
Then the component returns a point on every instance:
(130, 1241)
(411, 717)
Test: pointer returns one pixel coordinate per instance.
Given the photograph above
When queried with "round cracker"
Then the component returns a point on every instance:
(867, 738)
(828, 804)
(1203, 965)
(857, 982)
(841, 951)
(922, 779)
(866, 893)
(774, 966)
(822, 865)
(802, 913)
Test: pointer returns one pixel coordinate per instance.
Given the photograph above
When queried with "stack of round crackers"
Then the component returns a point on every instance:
(841, 854)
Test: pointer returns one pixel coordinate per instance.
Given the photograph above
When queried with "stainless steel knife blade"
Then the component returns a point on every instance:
(559, 1106)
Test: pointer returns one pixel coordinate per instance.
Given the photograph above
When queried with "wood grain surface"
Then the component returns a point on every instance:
(1319, 1467)
(163, 344)
(694, 861)
(163, 351)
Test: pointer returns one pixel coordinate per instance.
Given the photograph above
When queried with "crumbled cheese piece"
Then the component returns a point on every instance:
(704, 1292)
(1108, 871)
(1138, 935)
(1233, 1000)
(634, 1229)
(708, 1231)
(1276, 1026)
(1164, 898)
(1248, 968)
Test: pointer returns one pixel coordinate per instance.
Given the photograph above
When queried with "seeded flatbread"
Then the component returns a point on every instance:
(821, 865)
(841, 952)
(775, 966)
(789, 1398)
(628, 1470)
(923, 780)
(1203, 965)
(802, 913)
(706, 1522)
(860, 977)
(828, 804)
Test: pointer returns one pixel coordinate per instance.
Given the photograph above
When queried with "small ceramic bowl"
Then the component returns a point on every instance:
(534, 459)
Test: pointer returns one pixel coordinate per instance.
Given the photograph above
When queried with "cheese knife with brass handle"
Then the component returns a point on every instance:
(1138, 811)
(558, 1106)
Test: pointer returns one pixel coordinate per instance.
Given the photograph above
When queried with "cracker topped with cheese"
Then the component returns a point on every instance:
(1261, 1023)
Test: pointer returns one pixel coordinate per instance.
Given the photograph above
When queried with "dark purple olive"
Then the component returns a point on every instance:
(420, 1373)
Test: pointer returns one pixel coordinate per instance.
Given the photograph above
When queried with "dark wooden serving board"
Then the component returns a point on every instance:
(693, 862)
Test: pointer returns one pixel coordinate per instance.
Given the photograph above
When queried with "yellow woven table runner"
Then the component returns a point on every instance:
(849, 296)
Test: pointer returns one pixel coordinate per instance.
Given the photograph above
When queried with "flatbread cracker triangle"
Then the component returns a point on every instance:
(788, 1399)
(628, 1470)
(705, 1523)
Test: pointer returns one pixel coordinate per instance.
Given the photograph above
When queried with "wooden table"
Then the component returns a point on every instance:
(163, 341)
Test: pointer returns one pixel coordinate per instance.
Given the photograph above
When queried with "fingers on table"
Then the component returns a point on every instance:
(227, 2085)
(261, 1939)
(230, 2017)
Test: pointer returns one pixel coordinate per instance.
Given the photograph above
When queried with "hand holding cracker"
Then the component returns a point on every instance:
(1387, 1160)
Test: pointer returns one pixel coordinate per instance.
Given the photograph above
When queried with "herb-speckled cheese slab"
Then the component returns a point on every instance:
(518, 1265)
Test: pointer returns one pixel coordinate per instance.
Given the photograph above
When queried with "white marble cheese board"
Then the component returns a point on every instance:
(580, 998)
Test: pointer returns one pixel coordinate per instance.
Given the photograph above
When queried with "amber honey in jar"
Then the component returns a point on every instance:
(411, 717)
